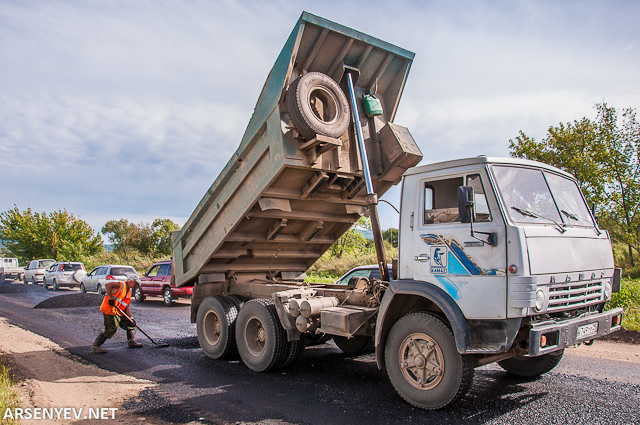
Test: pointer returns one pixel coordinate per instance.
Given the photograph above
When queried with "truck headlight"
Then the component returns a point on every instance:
(540, 299)
(608, 290)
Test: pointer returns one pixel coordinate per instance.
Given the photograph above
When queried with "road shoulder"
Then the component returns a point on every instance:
(48, 376)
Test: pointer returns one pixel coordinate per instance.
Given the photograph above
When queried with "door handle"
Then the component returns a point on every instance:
(421, 257)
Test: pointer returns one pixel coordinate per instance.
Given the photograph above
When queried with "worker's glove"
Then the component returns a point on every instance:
(112, 303)
(134, 322)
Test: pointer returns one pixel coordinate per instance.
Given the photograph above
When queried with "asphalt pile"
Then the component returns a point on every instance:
(71, 301)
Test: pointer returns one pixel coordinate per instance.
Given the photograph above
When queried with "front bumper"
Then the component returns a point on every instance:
(562, 334)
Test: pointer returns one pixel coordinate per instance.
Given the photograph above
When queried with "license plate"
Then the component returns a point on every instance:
(587, 330)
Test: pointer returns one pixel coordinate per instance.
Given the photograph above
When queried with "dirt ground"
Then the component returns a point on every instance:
(49, 376)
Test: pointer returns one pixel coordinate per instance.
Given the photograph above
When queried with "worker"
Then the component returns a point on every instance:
(116, 300)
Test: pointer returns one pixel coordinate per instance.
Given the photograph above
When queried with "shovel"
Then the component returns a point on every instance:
(143, 332)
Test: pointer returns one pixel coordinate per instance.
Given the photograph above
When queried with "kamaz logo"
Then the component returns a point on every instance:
(439, 259)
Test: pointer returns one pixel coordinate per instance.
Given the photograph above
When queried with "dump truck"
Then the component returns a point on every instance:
(500, 260)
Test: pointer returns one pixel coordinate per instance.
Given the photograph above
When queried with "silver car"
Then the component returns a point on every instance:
(98, 278)
(63, 273)
(34, 272)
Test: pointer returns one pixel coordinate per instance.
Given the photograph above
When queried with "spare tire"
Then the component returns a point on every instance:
(317, 105)
(78, 275)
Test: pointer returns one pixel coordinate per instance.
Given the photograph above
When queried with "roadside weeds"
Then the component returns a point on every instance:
(9, 396)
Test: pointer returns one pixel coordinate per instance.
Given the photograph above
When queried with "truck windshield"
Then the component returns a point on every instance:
(536, 196)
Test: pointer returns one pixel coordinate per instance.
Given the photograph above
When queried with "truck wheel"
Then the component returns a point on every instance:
(216, 324)
(260, 338)
(423, 363)
(167, 298)
(137, 294)
(532, 366)
(317, 105)
(359, 344)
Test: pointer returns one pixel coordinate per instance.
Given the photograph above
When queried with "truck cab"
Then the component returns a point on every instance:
(532, 256)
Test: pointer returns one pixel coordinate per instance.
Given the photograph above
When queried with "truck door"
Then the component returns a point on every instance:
(443, 251)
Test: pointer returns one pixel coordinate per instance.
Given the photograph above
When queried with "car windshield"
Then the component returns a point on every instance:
(123, 271)
(46, 264)
(536, 196)
(70, 267)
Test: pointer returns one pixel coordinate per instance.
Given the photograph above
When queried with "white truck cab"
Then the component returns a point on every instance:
(530, 272)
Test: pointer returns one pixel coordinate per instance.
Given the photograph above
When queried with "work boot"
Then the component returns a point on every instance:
(132, 342)
(96, 347)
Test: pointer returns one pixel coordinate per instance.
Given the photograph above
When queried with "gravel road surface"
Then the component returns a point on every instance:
(325, 386)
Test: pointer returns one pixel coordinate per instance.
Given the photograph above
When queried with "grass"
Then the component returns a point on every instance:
(629, 299)
(9, 397)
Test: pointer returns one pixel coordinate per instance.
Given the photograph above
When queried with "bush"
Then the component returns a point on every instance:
(629, 299)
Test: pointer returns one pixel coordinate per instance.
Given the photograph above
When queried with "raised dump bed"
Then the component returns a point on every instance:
(295, 184)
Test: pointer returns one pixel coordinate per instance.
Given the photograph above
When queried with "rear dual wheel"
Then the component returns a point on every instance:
(216, 324)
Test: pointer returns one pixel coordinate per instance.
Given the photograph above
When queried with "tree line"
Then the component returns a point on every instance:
(61, 235)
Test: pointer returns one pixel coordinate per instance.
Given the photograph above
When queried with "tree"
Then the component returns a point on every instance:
(153, 240)
(391, 235)
(59, 235)
(603, 155)
(352, 241)
(162, 228)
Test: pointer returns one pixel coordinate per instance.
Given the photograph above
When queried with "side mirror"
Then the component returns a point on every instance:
(466, 204)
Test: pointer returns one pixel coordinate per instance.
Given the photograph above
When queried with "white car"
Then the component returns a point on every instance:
(63, 273)
(98, 278)
(34, 273)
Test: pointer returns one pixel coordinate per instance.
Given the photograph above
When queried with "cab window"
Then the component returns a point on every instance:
(441, 201)
(482, 207)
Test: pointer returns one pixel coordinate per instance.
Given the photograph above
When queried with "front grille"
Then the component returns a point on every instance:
(572, 294)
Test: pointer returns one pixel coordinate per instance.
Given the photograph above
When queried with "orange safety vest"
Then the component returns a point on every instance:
(122, 299)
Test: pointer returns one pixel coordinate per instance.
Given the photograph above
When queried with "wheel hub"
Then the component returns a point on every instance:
(421, 361)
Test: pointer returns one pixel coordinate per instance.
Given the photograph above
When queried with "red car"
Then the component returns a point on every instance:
(157, 283)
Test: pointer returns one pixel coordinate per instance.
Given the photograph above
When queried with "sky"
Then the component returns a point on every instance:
(130, 109)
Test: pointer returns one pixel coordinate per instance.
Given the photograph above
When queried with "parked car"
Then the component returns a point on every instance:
(157, 282)
(9, 268)
(34, 272)
(63, 273)
(371, 271)
(98, 278)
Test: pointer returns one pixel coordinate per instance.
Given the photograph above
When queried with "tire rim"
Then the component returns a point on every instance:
(212, 328)
(421, 361)
(99, 288)
(138, 294)
(254, 336)
(167, 296)
(324, 105)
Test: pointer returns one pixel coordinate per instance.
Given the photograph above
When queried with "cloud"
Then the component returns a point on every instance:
(131, 109)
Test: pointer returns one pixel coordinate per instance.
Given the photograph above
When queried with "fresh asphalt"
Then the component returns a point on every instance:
(324, 387)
